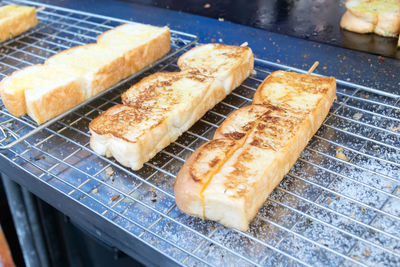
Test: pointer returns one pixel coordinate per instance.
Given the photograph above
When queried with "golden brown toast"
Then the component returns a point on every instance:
(15, 19)
(155, 113)
(228, 178)
(220, 61)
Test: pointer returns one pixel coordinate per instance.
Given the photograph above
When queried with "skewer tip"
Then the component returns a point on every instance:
(313, 67)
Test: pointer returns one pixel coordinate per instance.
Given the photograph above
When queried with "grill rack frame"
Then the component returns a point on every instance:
(24, 151)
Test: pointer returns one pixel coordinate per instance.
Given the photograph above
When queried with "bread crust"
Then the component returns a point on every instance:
(143, 54)
(189, 185)
(14, 101)
(265, 140)
(54, 102)
(23, 19)
(146, 54)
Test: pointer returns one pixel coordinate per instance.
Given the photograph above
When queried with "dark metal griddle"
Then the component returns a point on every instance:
(317, 21)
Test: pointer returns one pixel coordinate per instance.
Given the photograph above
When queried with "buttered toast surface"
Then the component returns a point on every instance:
(228, 178)
(158, 109)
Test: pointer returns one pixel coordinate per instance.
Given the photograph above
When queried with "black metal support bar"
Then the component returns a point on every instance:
(22, 223)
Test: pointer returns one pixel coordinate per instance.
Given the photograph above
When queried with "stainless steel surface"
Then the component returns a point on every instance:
(338, 206)
(56, 32)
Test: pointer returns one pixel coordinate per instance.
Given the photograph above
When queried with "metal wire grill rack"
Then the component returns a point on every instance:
(58, 29)
(338, 206)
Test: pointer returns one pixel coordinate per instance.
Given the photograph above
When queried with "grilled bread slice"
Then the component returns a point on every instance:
(228, 65)
(156, 112)
(379, 16)
(90, 69)
(15, 19)
(228, 178)
(161, 107)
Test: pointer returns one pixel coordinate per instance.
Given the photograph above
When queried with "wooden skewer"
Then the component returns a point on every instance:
(40, 9)
(313, 67)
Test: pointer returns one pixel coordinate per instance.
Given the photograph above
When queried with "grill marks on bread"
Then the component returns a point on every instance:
(263, 127)
(206, 164)
(289, 89)
(146, 94)
(162, 106)
(147, 104)
(210, 60)
(228, 178)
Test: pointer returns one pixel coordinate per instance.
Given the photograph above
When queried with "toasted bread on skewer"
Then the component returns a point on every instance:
(228, 178)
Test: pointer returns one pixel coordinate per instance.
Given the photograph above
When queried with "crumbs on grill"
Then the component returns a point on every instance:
(109, 171)
(39, 157)
(154, 196)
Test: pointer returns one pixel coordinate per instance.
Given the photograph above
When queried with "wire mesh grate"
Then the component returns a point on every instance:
(338, 206)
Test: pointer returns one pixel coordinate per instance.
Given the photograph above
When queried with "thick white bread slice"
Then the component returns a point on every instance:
(229, 65)
(42, 91)
(93, 67)
(379, 16)
(53, 92)
(228, 178)
(12, 89)
(119, 53)
(139, 44)
(15, 20)
(156, 112)
(99, 67)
